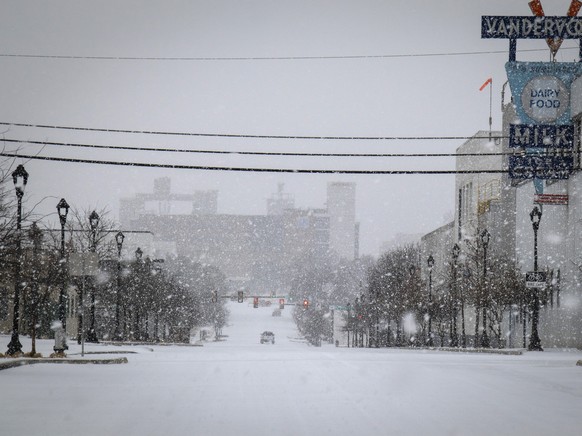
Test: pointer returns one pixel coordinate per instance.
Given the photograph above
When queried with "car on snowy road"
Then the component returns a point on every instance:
(267, 337)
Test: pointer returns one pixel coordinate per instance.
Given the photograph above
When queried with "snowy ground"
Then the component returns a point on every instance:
(240, 387)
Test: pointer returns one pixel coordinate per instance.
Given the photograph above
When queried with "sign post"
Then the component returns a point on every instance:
(82, 265)
(535, 279)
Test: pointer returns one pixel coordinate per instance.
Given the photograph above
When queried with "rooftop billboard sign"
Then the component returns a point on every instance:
(543, 167)
(541, 90)
(541, 136)
(531, 27)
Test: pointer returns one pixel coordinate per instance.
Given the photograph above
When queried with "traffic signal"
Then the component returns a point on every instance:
(214, 296)
(255, 302)
(306, 304)
(281, 303)
(240, 297)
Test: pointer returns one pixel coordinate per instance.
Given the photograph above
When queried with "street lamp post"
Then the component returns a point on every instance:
(138, 257)
(430, 264)
(535, 344)
(455, 303)
(93, 222)
(349, 323)
(485, 238)
(412, 285)
(119, 240)
(63, 210)
(20, 178)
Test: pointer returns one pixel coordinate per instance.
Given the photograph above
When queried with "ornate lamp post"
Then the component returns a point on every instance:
(455, 303)
(63, 210)
(20, 178)
(485, 238)
(535, 344)
(430, 264)
(119, 240)
(138, 269)
(466, 277)
(93, 222)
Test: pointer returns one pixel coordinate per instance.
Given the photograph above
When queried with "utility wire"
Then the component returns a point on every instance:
(256, 153)
(263, 58)
(247, 169)
(236, 135)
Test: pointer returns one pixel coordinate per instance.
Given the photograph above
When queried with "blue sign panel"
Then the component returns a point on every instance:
(541, 136)
(540, 167)
(541, 90)
(531, 27)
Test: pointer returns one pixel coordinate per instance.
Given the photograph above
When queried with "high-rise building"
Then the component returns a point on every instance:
(341, 208)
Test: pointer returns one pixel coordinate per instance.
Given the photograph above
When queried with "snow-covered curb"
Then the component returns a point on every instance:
(15, 363)
(508, 352)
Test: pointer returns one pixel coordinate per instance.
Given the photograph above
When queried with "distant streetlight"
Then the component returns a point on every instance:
(535, 344)
(94, 223)
(119, 237)
(430, 264)
(485, 238)
(63, 210)
(20, 178)
(454, 336)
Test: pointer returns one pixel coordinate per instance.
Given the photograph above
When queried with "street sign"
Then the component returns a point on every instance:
(336, 307)
(541, 136)
(544, 167)
(535, 279)
(526, 27)
(561, 199)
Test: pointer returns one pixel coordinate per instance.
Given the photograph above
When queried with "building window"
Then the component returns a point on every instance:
(465, 206)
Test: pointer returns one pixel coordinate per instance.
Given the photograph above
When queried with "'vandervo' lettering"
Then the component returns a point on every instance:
(531, 27)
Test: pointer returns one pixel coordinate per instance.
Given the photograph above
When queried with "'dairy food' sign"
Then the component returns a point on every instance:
(541, 90)
(545, 98)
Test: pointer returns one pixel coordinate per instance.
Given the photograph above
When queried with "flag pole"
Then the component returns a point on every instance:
(489, 82)
(490, 108)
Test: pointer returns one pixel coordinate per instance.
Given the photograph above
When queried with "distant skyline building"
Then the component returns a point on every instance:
(258, 252)
(280, 201)
(343, 229)
(163, 202)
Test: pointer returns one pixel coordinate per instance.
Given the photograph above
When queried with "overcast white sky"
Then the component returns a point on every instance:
(376, 96)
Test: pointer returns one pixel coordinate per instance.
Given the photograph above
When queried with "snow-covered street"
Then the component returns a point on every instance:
(240, 387)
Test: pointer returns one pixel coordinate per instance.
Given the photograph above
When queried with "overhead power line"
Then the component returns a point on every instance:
(262, 58)
(248, 169)
(248, 153)
(239, 135)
